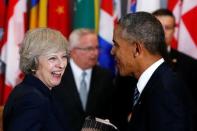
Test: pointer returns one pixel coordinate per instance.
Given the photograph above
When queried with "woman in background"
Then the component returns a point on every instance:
(31, 106)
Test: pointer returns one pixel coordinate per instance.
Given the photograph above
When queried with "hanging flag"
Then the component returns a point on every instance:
(42, 15)
(2, 19)
(96, 14)
(106, 27)
(15, 30)
(59, 16)
(116, 10)
(109, 13)
(131, 6)
(147, 5)
(172, 4)
(84, 14)
(38, 13)
(187, 39)
(175, 6)
(34, 6)
(2, 69)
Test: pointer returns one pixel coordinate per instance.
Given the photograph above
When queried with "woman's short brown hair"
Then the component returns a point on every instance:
(38, 42)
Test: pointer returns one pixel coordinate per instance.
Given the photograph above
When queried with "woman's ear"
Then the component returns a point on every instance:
(34, 65)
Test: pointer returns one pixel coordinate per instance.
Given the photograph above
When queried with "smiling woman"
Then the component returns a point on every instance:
(43, 53)
(43, 59)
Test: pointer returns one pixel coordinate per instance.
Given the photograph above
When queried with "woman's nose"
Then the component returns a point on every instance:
(62, 63)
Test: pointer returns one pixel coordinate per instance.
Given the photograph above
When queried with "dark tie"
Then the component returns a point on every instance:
(83, 90)
(136, 96)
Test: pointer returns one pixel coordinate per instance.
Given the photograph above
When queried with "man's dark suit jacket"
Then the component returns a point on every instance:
(186, 67)
(99, 98)
(163, 104)
(123, 100)
(31, 107)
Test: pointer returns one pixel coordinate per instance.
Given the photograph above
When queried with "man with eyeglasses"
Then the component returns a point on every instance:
(86, 89)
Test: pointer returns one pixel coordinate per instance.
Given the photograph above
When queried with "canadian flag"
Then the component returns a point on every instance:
(14, 34)
(185, 38)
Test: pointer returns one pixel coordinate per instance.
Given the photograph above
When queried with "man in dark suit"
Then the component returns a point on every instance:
(160, 101)
(184, 65)
(99, 82)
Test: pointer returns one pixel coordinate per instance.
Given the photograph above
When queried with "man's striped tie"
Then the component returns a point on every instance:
(136, 96)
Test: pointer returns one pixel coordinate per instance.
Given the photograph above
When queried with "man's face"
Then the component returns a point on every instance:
(168, 24)
(85, 54)
(123, 53)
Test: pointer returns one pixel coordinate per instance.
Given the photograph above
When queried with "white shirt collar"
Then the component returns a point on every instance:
(77, 71)
(168, 48)
(146, 75)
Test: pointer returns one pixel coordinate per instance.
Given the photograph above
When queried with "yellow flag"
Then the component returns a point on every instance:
(42, 21)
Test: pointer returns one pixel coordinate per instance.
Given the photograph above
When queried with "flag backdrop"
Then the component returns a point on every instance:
(94, 14)
(2, 12)
(2, 19)
(38, 13)
(15, 30)
(33, 22)
(131, 6)
(142, 5)
(187, 41)
(109, 13)
(42, 16)
(185, 38)
(84, 14)
(2, 69)
(147, 5)
(175, 7)
(59, 16)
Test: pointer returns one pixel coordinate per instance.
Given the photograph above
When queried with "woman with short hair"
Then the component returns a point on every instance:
(31, 106)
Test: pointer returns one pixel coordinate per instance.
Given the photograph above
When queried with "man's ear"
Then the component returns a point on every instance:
(137, 49)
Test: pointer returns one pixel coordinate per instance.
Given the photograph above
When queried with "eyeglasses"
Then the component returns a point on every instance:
(87, 48)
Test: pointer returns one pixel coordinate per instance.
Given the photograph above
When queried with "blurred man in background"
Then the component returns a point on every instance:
(184, 65)
(86, 89)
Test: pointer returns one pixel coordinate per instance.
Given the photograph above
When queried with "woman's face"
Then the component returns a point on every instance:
(51, 68)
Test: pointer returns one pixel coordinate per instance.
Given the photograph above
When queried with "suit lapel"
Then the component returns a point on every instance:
(74, 95)
(149, 86)
(93, 88)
